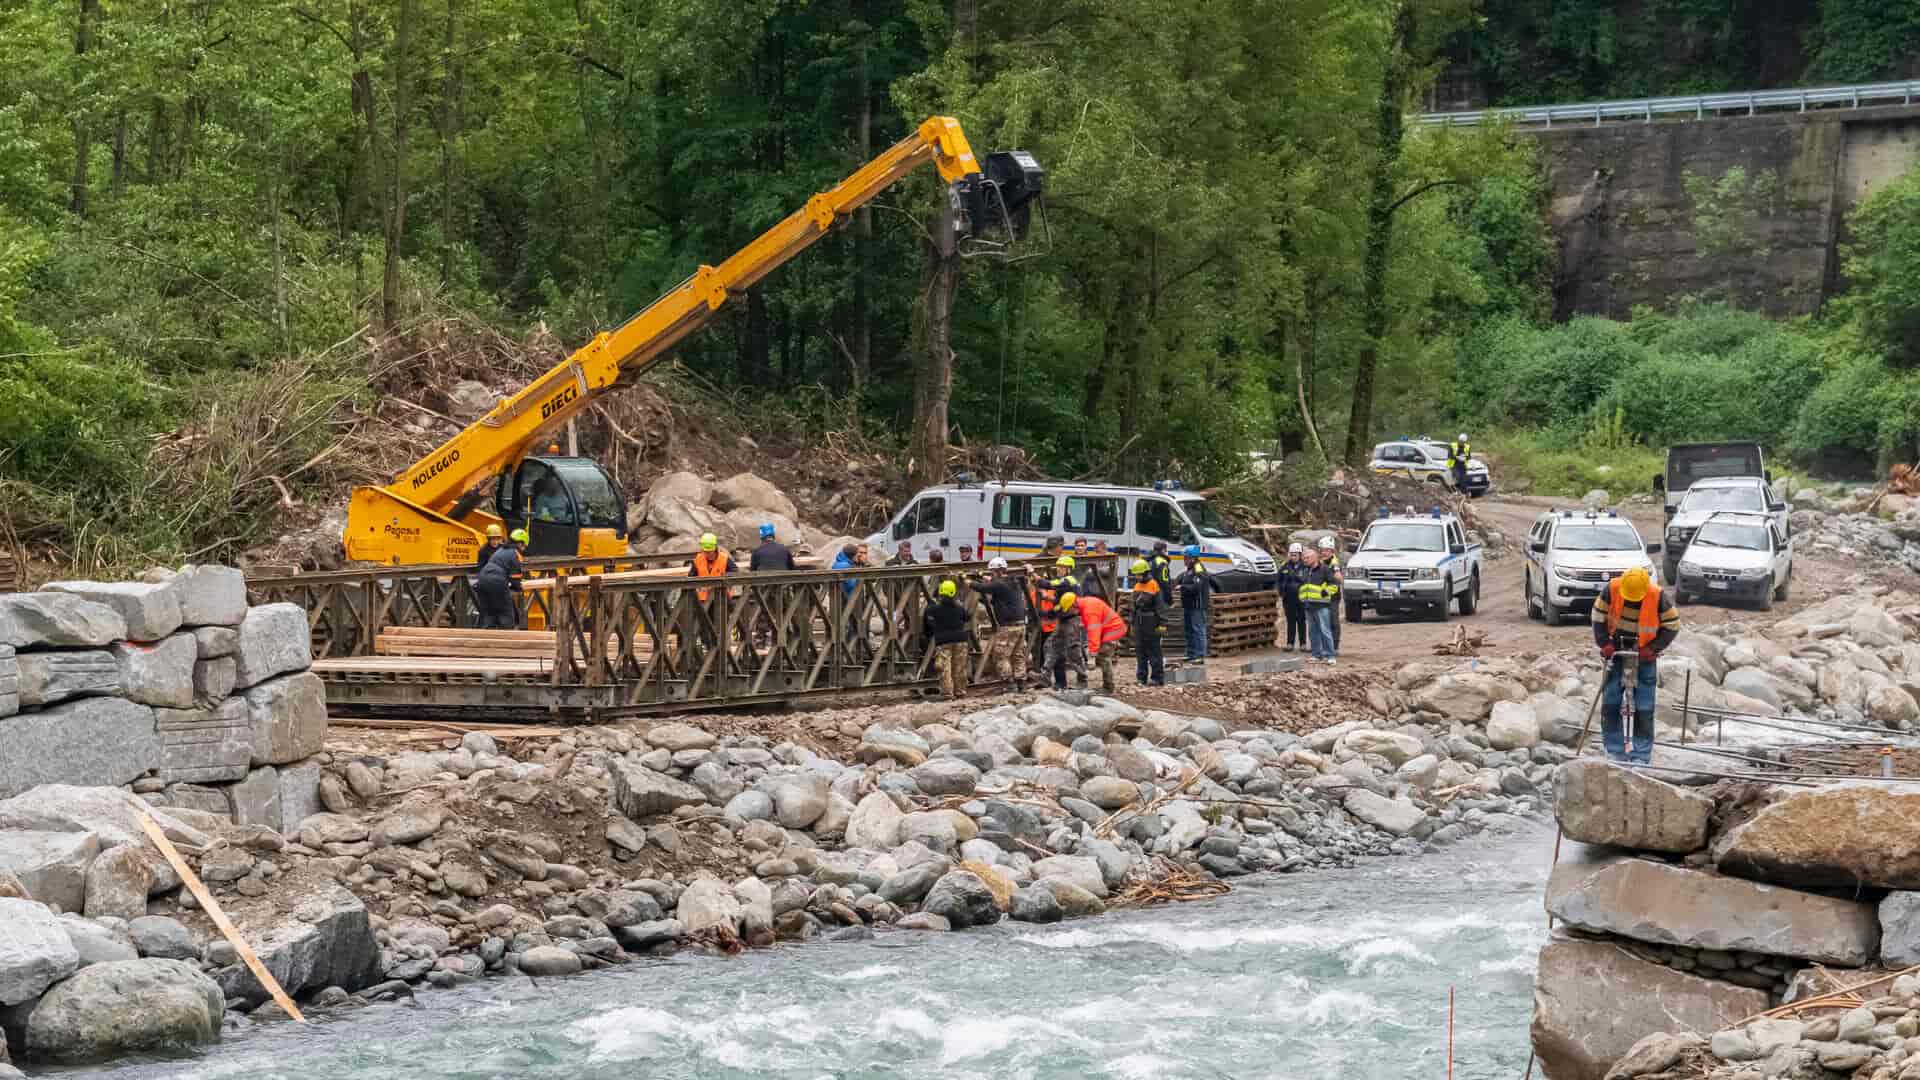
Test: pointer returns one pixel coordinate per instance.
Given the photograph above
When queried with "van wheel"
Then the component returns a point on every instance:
(1533, 609)
(1670, 571)
(1444, 609)
(1781, 592)
(1764, 601)
(1470, 601)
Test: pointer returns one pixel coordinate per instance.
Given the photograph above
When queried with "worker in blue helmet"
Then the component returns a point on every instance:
(1194, 586)
(771, 554)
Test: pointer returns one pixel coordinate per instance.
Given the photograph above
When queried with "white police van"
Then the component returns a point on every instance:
(1013, 518)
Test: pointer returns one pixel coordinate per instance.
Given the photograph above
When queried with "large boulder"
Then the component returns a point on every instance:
(1598, 802)
(273, 640)
(57, 620)
(47, 678)
(1397, 816)
(35, 951)
(1899, 915)
(709, 904)
(639, 792)
(109, 813)
(680, 519)
(157, 673)
(740, 529)
(1762, 686)
(1467, 696)
(52, 865)
(1892, 707)
(331, 943)
(211, 595)
(1512, 726)
(89, 742)
(1593, 1000)
(199, 746)
(1082, 870)
(1843, 835)
(150, 611)
(1672, 905)
(1398, 749)
(677, 737)
(963, 899)
(745, 491)
(1708, 654)
(124, 1007)
(288, 718)
(118, 883)
(682, 485)
(875, 823)
(798, 798)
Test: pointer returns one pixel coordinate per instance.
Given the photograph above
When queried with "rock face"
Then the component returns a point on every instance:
(125, 1007)
(288, 717)
(1854, 833)
(273, 640)
(333, 946)
(1672, 905)
(50, 677)
(1598, 802)
(639, 792)
(59, 620)
(52, 865)
(34, 951)
(1593, 1000)
(89, 742)
(151, 611)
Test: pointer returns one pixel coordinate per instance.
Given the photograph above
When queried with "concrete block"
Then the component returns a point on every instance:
(211, 595)
(213, 679)
(274, 640)
(289, 718)
(207, 800)
(46, 678)
(1190, 673)
(212, 641)
(52, 865)
(299, 796)
(256, 799)
(151, 611)
(57, 620)
(157, 673)
(205, 745)
(1272, 665)
(91, 742)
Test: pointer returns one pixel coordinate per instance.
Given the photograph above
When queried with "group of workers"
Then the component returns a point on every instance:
(1309, 586)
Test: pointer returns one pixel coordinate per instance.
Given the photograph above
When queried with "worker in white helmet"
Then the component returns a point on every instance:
(1330, 558)
(1458, 453)
(1291, 609)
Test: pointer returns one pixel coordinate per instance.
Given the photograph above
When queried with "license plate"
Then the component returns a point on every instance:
(1717, 584)
(1389, 586)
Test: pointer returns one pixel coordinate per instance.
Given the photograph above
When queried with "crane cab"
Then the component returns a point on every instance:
(568, 505)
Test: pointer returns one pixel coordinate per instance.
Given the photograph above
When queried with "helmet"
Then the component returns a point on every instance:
(1065, 602)
(1139, 567)
(766, 531)
(494, 533)
(708, 541)
(996, 563)
(948, 588)
(1633, 584)
(1065, 562)
(1295, 548)
(1326, 543)
(1463, 436)
(1192, 551)
(518, 536)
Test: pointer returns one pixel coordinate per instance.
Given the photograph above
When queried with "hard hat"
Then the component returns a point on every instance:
(1192, 551)
(1066, 601)
(996, 563)
(1463, 436)
(1296, 548)
(1633, 584)
(1139, 567)
(766, 530)
(518, 536)
(948, 588)
(1326, 543)
(494, 533)
(708, 541)
(1064, 562)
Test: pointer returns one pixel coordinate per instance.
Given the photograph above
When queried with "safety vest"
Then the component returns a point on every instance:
(1332, 563)
(1458, 452)
(1649, 612)
(705, 565)
(1044, 597)
(1318, 586)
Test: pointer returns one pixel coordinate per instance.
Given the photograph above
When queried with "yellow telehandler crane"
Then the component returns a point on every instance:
(439, 508)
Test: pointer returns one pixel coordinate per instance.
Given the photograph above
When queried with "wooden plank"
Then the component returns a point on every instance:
(430, 665)
(219, 917)
(468, 633)
(665, 573)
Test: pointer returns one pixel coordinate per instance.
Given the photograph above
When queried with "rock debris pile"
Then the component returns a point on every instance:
(1842, 525)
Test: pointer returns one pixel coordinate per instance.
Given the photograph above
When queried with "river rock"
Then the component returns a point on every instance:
(50, 677)
(910, 886)
(118, 883)
(549, 960)
(1397, 816)
(1593, 1001)
(1398, 749)
(750, 806)
(1892, 706)
(709, 904)
(125, 1007)
(87, 742)
(1673, 905)
(288, 716)
(1079, 869)
(151, 611)
(1075, 902)
(161, 937)
(880, 743)
(676, 737)
(96, 942)
(833, 822)
(52, 865)
(1899, 916)
(875, 823)
(331, 943)
(273, 640)
(1036, 904)
(1656, 1053)
(416, 818)
(945, 776)
(798, 798)
(57, 620)
(1512, 725)
(109, 813)
(1840, 835)
(1110, 792)
(1466, 696)
(639, 792)
(35, 951)
(962, 899)
(1599, 802)
(1707, 654)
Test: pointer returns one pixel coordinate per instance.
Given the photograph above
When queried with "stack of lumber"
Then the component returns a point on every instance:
(454, 651)
(9, 574)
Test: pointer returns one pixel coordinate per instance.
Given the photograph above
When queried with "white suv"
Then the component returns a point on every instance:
(1707, 497)
(1426, 460)
(1737, 556)
(1573, 554)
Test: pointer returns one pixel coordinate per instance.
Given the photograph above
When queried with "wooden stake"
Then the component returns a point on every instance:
(212, 906)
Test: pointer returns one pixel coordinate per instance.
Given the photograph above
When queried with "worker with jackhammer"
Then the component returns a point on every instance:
(1633, 623)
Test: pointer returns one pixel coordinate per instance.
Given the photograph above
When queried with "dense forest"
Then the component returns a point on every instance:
(234, 214)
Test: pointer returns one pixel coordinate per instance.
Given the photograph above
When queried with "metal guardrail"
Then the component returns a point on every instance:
(1695, 106)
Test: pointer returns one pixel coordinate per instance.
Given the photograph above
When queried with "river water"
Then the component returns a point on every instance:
(1342, 973)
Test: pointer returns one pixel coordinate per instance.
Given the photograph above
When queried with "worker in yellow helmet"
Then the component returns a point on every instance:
(500, 576)
(495, 538)
(710, 561)
(948, 627)
(1633, 623)
(1149, 610)
(1067, 645)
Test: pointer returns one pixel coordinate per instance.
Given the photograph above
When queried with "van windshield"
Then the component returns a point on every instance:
(1206, 520)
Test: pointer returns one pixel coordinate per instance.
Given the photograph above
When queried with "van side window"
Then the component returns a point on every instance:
(1096, 514)
(1026, 512)
(933, 515)
(907, 525)
(1154, 517)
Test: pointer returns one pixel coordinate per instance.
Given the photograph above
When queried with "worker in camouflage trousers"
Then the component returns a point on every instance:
(949, 628)
(1067, 645)
(1007, 599)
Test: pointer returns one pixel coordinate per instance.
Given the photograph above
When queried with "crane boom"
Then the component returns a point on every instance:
(419, 517)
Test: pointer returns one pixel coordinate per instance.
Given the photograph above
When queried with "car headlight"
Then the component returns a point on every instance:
(1676, 536)
(1425, 573)
(1690, 567)
(1241, 562)
(1755, 573)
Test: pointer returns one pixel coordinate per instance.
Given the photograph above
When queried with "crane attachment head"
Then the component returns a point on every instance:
(992, 208)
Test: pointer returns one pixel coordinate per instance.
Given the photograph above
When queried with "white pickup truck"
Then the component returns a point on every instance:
(1408, 562)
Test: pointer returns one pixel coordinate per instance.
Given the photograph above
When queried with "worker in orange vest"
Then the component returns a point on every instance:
(1104, 627)
(1632, 624)
(711, 561)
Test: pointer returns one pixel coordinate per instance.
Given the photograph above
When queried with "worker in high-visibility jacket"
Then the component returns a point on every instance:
(1317, 592)
(1067, 642)
(1633, 623)
(1046, 596)
(1330, 558)
(1459, 452)
(1105, 628)
(710, 561)
(1149, 609)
